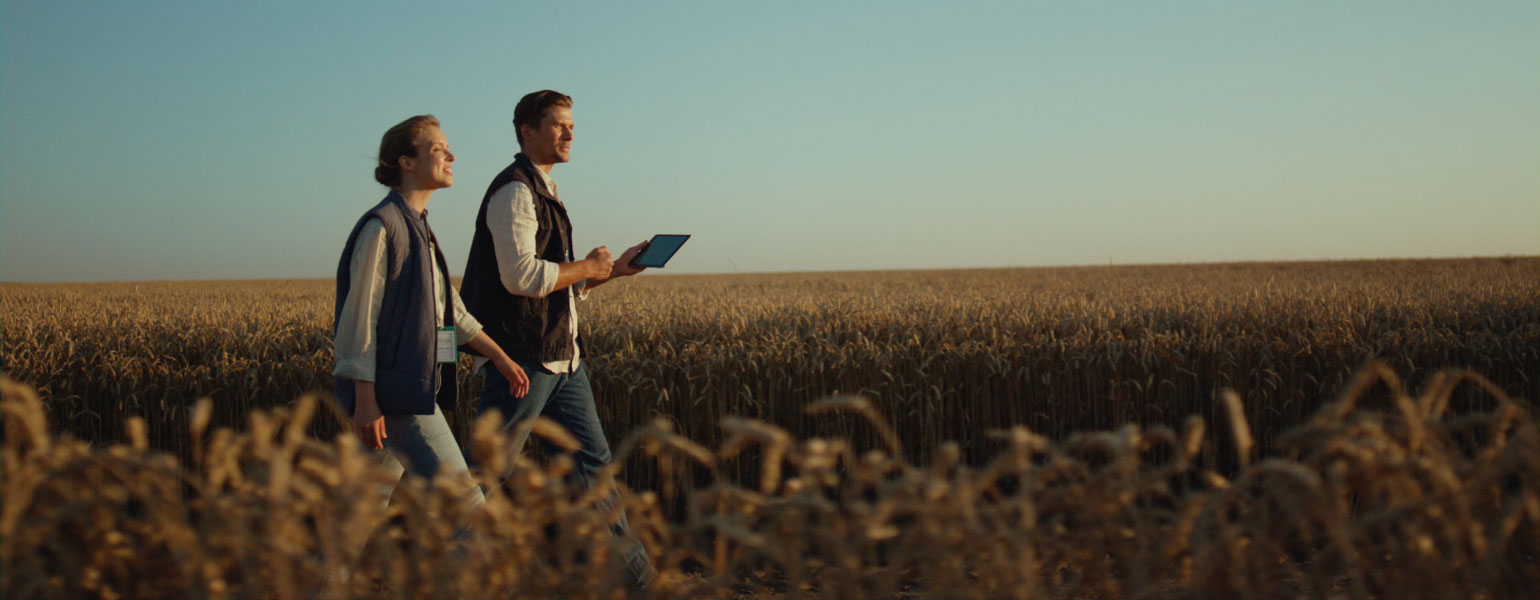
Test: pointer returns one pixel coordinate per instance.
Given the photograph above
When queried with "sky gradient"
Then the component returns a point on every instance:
(182, 140)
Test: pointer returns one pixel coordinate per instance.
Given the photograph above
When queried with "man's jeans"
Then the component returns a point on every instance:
(567, 399)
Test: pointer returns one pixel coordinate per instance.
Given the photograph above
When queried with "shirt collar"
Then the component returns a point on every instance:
(550, 184)
(545, 178)
(395, 196)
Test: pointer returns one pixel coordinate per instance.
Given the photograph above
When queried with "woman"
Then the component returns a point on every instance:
(398, 320)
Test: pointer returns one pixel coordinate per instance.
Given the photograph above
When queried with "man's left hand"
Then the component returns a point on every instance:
(623, 266)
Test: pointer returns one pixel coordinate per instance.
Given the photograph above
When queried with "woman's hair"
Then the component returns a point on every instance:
(399, 141)
(531, 109)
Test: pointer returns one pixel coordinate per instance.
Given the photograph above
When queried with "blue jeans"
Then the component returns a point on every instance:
(424, 445)
(567, 399)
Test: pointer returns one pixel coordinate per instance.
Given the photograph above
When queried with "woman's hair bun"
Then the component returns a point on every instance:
(388, 176)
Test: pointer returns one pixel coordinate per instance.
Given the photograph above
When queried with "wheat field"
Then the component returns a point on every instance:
(1218, 430)
(947, 355)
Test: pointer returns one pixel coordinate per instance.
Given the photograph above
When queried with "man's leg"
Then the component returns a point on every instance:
(495, 396)
(572, 406)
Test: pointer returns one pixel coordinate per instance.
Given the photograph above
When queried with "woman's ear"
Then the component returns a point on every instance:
(407, 163)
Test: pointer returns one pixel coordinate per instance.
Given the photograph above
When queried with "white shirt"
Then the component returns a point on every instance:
(512, 223)
(356, 341)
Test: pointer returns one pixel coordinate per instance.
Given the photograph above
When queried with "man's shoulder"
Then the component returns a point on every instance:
(511, 174)
(515, 191)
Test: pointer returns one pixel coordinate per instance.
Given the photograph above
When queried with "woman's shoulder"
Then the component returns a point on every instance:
(379, 223)
(373, 227)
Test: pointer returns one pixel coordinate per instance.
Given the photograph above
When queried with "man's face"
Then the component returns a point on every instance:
(551, 141)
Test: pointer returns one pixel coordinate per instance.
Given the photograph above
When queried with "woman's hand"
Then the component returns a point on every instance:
(518, 382)
(368, 423)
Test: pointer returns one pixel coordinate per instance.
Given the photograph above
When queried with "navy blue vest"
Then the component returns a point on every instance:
(530, 330)
(406, 376)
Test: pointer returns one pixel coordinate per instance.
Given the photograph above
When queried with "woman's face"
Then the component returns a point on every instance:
(433, 167)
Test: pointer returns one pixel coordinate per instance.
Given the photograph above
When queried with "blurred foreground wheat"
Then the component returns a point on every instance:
(1423, 499)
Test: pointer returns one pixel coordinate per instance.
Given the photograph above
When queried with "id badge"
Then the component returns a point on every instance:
(446, 345)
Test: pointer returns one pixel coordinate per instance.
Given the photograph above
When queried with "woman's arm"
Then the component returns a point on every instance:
(518, 382)
(367, 420)
(356, 344)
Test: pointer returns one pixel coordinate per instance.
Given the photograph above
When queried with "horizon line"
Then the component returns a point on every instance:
(823, 271)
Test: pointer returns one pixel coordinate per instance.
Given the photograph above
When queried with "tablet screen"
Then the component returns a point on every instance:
(659, 250)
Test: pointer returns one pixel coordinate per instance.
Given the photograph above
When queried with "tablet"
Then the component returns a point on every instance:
(661, 248)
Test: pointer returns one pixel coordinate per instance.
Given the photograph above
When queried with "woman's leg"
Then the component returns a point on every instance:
(340, 571)
(426, 445)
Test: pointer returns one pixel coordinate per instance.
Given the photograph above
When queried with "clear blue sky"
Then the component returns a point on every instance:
(192, 140)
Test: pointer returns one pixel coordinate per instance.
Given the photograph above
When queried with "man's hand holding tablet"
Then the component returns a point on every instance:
(657, 252)
(638, 258)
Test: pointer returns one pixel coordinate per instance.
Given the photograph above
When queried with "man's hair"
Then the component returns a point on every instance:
(531, 109)
(400, 141)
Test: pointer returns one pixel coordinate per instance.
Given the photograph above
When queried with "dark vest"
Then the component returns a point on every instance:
(406, 377)
(530, 330)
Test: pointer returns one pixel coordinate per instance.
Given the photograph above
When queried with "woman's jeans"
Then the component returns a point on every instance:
(424, 445)
(567, 399)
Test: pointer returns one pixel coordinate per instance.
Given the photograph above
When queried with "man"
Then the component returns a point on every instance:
(522, 281)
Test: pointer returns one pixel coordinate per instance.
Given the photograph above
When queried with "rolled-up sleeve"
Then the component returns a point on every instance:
(511, 220)
(466, 326)
(356, 343)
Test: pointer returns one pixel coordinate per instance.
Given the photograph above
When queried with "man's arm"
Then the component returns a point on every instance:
(511, 220)
(597, 267)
